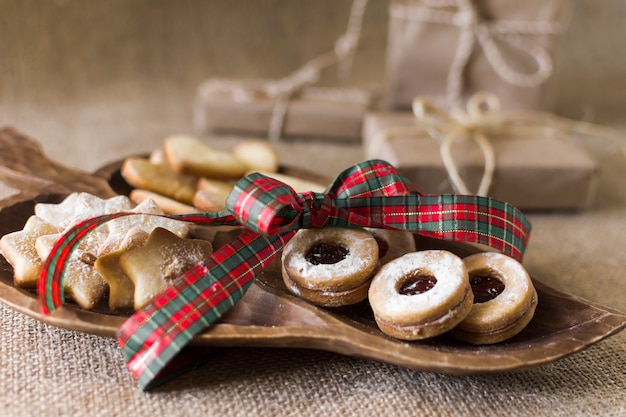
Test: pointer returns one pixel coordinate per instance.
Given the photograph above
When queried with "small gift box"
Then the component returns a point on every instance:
(258, 107)
(447, 50)
(519, 158)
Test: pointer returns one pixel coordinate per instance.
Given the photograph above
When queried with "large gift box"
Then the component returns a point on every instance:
(251, 107)
(447, 50)
(536, 167)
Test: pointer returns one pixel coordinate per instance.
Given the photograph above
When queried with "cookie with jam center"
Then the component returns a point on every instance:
(331, 266)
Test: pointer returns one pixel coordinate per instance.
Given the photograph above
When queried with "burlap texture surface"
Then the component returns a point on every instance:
(94, 82)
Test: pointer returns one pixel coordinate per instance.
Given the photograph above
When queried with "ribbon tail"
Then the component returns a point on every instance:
(153, 336)
(51, 278)
(50, 284)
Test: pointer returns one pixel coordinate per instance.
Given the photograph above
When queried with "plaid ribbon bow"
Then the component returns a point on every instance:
(370, 194)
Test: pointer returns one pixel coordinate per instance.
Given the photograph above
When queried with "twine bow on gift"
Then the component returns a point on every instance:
(483, 122)
(481, 116)
(369, 194)
(475, 29)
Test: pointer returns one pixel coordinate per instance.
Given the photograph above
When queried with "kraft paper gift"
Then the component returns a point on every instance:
(250, 107)
(531, 165)
(448, 50)
(294, 105)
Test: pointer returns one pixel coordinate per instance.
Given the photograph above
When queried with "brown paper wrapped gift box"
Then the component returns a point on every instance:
(316, 112)
(424, 40)
(532, 173)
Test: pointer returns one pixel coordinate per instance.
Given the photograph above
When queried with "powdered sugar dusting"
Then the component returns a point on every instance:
(446, 267)
(362, 256)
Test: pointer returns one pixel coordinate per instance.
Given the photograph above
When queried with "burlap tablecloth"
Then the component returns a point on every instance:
(95, 81)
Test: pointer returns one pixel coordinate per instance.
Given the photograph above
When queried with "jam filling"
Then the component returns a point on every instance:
(417, 283)
(324, 253)
(485, 287)
(383, 247)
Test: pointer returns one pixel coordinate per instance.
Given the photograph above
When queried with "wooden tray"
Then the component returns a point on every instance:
(268, 316)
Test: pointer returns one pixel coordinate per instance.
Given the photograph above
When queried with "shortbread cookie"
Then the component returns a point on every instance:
(331, 266)
(19, 250)
(121, 288)
(157, 156)
(504, 299)
(158, 178)
(88, 205)
(421, 295)
(77, 207)
(57, 213)
(160, 261)
(118, 228)
(212, 194)
(187, 155)
(298, 184)
(168, 205)
(257, 155)
(81, 282)
(207, 201)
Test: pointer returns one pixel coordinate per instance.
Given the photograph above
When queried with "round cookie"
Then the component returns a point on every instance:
(504, 299)
(331, 266)
(420, 294)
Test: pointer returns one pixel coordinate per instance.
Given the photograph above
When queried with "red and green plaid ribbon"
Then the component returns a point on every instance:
(370, 194)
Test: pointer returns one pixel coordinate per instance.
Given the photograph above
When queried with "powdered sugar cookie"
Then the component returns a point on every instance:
(331, 266)
(118, 228)
(504, 299)
(81, 282)
(87, 206)
(121, 288)
(57, 213)
(19, 250)
(162, 259)
(420, 295)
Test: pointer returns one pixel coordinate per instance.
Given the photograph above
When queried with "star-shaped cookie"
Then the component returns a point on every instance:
(121, 288)
(19, 250)
(160, 261)
(82, 283)
(118, 228)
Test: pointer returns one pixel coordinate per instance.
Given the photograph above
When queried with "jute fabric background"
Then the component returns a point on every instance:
(96, 81)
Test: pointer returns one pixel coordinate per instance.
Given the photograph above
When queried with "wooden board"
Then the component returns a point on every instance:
(268, 316)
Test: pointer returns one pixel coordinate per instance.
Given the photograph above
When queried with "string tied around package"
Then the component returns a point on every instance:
(475, 30)
(483, 121)
(281, 91)
(369, 194)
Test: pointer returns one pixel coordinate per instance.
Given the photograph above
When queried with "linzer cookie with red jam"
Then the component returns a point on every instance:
(331, 266)
(421, 295)
(505, 299)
